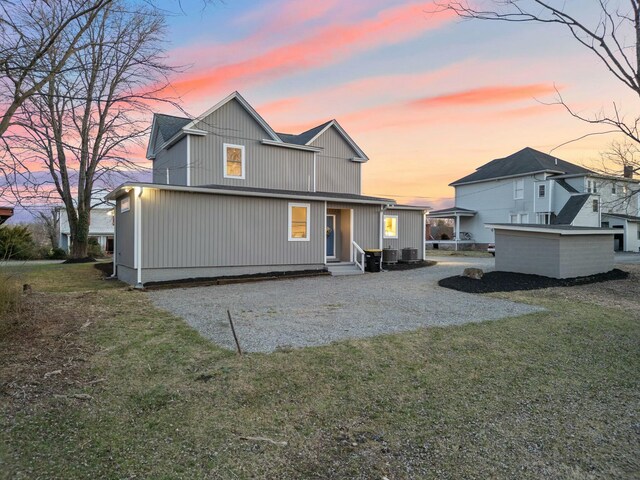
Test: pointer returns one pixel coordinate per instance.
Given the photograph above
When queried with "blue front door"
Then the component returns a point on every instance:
(331, 235)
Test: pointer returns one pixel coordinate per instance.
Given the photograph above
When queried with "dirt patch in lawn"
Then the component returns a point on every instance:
(42, 349)
(510, 282)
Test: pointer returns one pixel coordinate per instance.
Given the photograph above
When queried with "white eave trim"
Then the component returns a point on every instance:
(552, 231)
(248, 108)
(333, 123)
(295, 146)
(124, 188)
(408, 207)
(493, 179)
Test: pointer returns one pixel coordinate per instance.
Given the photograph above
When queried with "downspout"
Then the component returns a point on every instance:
(138, 235)
(188, 160)
(315, 170)
(383, 208)
(114, 274)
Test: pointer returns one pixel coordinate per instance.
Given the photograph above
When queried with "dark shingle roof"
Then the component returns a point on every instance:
(523, 162)
(273, 191)
(169, 125)
(304, 137)
(563, 183)
(451, 210)
(571, 209)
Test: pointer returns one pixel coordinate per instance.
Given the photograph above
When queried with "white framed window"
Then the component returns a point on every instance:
(595, 205)
(519, 218)
(513, 218)
(125, 204)
(524, 218)
(542, 190)
(591, 186)
(299, 222)
(614, 190)
(390, 226)
(234, 161)
(543, 218)
(518, 189)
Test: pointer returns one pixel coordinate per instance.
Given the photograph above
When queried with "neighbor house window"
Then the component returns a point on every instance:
(542, 191)
(544, 218)
(390, 226)
(613, 189)
(125, 204)
(298, 222)
(591, 186)
(519, 218)
(518, 189)
(595, 205)
(513, 218)
(234, 161)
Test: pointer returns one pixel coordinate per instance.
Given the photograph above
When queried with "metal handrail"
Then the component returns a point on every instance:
(357, 250)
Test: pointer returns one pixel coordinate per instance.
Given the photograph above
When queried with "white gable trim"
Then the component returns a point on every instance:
(334, 123)
(152, 140)
(247, 107)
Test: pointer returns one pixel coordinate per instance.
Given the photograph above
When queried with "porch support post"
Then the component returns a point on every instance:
(114, 274)
(138, 235)
(324, 223)
(457, 230)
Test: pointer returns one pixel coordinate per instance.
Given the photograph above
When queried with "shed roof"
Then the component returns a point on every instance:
(556, 229)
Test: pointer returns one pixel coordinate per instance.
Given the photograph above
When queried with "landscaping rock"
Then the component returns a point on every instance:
(475, 273)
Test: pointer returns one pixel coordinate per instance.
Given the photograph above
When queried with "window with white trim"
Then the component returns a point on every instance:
(542, 190)
(234, 161)
(543, 218)
(592, 187)
(519, 218)
(390, 226)
(595, 205)
(518, 189)
(299, 222)
(513, 218)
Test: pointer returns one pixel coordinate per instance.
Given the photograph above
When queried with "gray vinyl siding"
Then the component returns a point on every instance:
(336, 173)
(553, 255)
(125, 231)
(265, 166)
(184, 230)
(175, 159)
(366, 223)
(410, 231)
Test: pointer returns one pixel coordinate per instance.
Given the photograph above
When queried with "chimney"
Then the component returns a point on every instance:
(628, 171)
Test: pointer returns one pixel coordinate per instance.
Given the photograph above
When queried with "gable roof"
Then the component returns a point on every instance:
(571, 209)
(563, 183)
(523, 162)
(169, 128)
(309, 136)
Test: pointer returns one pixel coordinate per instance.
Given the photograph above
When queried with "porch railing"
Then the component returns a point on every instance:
(358, 251)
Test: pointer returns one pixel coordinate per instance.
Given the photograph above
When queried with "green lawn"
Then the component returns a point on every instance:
(548, 395)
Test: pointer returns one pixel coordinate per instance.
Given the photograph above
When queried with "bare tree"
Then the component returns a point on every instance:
(612, 36)
(29, 30)
(50, 222)
(80, 127)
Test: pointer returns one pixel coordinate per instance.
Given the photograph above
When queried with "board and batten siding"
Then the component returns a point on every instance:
(366, 223)
(182, 230)
(336, 173)
(265, 166)
(175, 159)
(410, 231)
(125, 232)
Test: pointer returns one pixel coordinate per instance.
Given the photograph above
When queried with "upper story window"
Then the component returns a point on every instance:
(591, 186)
(542, 191)
(614, 189)
(543, 218)
(595, 205)
(234, 161)
(518, 189)
(298, 222)
(390, 226)
(519, 218)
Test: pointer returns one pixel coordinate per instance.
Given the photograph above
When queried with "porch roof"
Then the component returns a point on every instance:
(451, 213)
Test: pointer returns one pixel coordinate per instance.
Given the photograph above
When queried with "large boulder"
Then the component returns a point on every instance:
(475, 273)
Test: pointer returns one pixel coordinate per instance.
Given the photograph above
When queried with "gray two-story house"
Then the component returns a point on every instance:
(531, 187)
(230, 196)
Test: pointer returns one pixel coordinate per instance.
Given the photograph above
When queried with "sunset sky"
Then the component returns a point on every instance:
(427, 96)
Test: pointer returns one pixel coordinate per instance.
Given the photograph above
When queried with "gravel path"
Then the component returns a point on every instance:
(321, 310)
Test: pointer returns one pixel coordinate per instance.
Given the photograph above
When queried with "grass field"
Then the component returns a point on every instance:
(96, 383)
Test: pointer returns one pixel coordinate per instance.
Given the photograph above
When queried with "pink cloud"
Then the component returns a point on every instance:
(486, 95)
(328, 45)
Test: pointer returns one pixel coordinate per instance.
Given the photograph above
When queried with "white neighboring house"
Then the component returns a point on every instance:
(531, 187)
(100, 227)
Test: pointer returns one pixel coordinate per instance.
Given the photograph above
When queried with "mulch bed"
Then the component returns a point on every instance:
(511, 282)
(400, 266)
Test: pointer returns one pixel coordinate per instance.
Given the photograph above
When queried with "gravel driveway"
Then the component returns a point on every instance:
(317, 311)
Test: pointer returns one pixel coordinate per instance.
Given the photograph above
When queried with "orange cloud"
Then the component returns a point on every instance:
(328, 45)
(486, 95)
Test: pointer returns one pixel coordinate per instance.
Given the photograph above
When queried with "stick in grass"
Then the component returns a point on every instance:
(233, 330)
